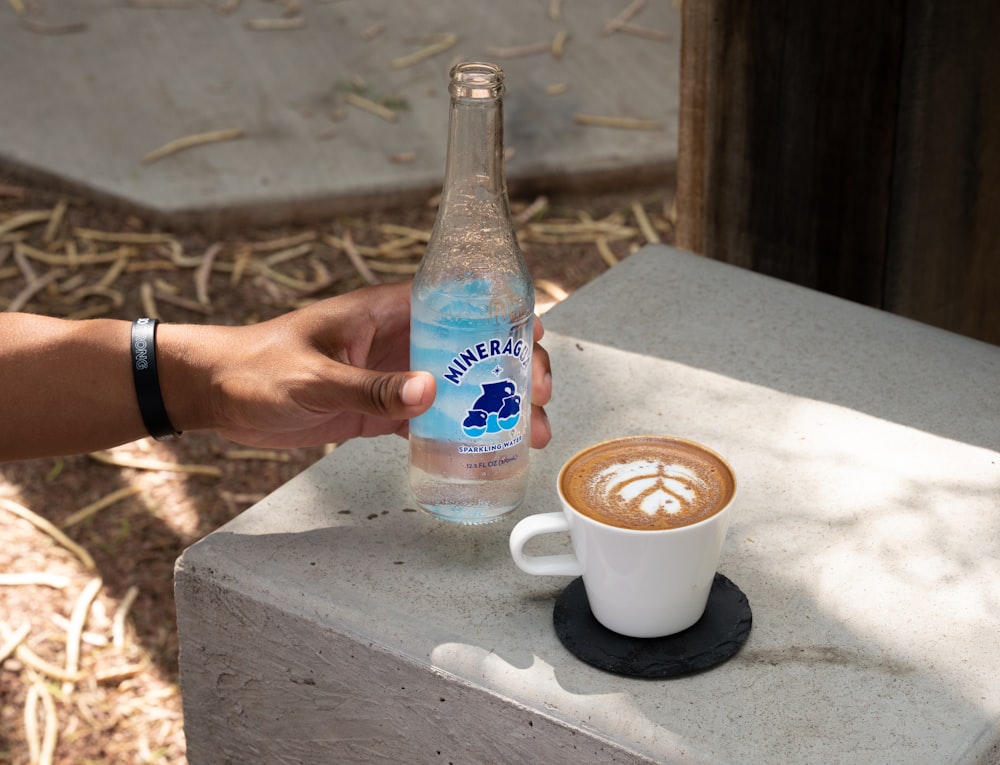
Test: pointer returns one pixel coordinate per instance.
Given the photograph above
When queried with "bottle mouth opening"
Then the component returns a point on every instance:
(476, 79)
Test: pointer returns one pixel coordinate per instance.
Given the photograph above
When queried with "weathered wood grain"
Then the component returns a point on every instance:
(850, 147)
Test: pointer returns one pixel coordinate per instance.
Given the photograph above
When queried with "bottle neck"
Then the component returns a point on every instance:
(475, 162)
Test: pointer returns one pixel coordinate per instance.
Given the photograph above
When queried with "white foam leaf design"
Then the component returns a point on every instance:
(651, 486)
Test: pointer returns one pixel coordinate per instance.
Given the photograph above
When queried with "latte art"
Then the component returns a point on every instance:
(651, 486)
(647, 482)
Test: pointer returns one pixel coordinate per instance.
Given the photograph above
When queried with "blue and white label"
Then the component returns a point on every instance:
(482, 388)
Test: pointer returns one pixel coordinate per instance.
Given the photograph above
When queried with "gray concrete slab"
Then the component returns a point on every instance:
(329, 623)
(89, 88)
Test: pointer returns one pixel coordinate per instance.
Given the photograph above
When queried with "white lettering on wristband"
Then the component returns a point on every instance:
(139, 349)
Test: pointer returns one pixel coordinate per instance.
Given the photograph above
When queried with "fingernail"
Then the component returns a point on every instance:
(412, 392)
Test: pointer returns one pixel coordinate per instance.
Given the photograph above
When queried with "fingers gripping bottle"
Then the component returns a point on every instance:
(471, 323)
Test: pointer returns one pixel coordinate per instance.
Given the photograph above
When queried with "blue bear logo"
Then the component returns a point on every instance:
(497, 409)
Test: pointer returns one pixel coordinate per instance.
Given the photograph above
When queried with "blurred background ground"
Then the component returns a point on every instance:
(105, 610)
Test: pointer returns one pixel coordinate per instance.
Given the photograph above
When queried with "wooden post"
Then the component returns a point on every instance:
(852, 147)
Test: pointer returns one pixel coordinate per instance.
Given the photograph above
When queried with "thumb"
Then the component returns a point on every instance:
(392, 395)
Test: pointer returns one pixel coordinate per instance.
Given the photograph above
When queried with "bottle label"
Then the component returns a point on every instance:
(497, 407)
(482, 389)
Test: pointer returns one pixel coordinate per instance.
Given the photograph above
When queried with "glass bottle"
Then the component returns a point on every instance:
(471, 323)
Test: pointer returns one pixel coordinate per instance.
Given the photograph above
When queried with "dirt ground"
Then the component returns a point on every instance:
(88, 641)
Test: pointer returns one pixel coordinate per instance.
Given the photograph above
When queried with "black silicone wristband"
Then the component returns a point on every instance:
(147, 381)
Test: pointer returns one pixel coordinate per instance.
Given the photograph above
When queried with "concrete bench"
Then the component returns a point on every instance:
(332, 623)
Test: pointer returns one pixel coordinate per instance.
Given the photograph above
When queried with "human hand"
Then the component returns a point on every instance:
(541, 390)
(323, 374)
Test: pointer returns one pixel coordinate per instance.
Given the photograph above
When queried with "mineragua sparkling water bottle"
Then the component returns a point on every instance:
(471, 323)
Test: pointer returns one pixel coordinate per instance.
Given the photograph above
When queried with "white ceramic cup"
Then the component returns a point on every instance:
(640, 583)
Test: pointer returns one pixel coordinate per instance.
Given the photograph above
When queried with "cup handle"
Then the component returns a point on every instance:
(542, 565)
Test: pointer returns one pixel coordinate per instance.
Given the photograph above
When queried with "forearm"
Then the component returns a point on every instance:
(66, 386)
(331, 371)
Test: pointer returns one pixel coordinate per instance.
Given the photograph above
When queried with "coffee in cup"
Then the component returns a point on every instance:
(647, 517)
(647, 482)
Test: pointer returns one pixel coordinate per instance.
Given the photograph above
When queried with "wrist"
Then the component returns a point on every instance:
(189, 358)
(146, 380)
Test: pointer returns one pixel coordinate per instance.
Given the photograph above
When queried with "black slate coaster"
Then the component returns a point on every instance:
(719, 634)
